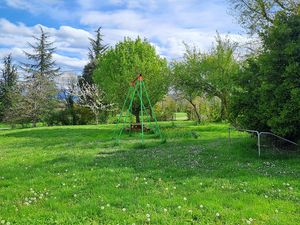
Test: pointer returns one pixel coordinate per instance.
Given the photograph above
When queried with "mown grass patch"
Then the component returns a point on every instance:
(76, 175)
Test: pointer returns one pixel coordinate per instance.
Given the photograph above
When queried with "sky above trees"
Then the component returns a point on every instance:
(165, 23)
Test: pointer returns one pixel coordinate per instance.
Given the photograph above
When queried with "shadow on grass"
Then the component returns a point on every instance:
(178, 158)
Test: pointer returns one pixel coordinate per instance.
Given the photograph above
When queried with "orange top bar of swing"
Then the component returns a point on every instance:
(139, 77)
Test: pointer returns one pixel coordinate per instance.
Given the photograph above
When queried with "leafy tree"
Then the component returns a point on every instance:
(268, 97)
(97, 49)
(220, 69)
(40, 88)
(118, 66)
(212, 74)
(188, 77)
(8, 82)
(257, 15)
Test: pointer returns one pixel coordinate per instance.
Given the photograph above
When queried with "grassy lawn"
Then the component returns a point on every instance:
(75, 175)
(180, 116)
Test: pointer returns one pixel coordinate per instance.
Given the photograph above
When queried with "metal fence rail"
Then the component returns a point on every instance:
(259, 136)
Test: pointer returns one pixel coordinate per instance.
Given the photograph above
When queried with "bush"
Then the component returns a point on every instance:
(269, 86)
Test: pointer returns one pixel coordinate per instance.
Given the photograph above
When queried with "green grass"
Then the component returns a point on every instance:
(180, 116)
(76, 175)
(4, 126)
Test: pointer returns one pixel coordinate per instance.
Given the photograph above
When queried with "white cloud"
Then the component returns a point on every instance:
(165, 23)
(71, 43)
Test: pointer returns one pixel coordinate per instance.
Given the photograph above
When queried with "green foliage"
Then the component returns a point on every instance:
(96, 50)
(118, 66)
(257, 15)
(73, 175)
(221, 69)
(188, 76)
(211, 74)
(77, 115)
(8, 83)
(165, 108)
(268, 97)
(39, 85)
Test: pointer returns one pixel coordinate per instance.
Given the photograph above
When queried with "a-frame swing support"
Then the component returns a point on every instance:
(137, 87)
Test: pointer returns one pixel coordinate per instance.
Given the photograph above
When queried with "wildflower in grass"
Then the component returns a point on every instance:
(118, 185)
(75, 195)
(266, 196)
(145, 178)
(217, 214)
(165, 210)
(166, 189)
(148, 215)
(124, 209)
(108, 205)
(185, 199)
(201, 206)
(2, 221)
(276, 210)
(190, 211)
(136, 178)
(7, 223)
(244, 190)
(148, 205)
(222, 187)
(174, 188)
(146, 182)
(250, 219)
(201, 184)
(63, 184)
(179, 207)
(291, 188)
(102, 207)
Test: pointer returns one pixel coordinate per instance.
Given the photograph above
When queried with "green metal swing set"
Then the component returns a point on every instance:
(137, 87)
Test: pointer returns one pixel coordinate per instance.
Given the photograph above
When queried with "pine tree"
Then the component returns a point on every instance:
(8, 82)
(97, 48)
(39, 81)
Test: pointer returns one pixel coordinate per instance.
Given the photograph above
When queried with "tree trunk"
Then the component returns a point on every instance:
(34, 122)
(223, 109)
(137, 116)
(196, 112)
(97, 118)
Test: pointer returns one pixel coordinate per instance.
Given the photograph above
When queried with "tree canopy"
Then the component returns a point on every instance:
(257, 15)
(119, 65)
(269, 86)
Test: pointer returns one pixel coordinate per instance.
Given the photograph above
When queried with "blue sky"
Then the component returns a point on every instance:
(165, 23)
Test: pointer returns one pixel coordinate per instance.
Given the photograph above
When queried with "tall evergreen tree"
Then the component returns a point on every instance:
(96, 49)
(41, 71)
(8, 82)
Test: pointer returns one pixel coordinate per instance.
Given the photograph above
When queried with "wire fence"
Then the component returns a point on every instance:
(263, 140)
